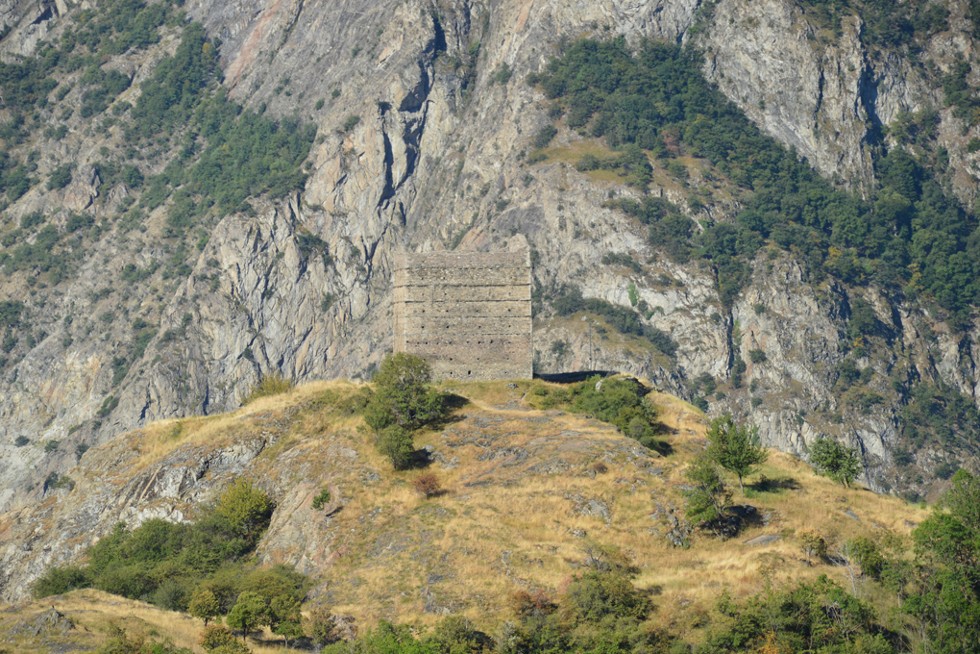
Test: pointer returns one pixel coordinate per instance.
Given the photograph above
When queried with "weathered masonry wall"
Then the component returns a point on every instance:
(468, 314)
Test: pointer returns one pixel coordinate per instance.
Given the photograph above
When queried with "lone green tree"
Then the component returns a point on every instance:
(708, 498)
(835, 460)
(735, 447)
(285, 618)
(403, 401)
(403, 394)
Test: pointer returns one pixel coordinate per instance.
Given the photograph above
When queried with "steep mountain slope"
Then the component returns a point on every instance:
(529, 494)
(160, 305)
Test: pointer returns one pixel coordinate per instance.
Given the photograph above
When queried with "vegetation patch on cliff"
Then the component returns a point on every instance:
(910, 237)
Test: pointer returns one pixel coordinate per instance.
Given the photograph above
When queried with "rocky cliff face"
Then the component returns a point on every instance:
(424, 124)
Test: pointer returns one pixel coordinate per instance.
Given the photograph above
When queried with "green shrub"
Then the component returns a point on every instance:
(403, 396)
(269, 385)
(396, 443)
(350, 123)
(60, 177)
(806, 616)
(57, 581)
(708, 499)
(10, 313)
(835, 460)
(597, 595)
(245, 509)
(218, 637)
(121, 642)
(322, 499)
(544, 136)
(620, 402)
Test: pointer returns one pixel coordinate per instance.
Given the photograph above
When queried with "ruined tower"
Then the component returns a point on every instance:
(467, 313)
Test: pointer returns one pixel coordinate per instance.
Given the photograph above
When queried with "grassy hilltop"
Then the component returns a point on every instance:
(527, 496)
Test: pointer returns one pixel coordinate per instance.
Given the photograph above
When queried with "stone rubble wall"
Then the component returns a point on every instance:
(467, 313)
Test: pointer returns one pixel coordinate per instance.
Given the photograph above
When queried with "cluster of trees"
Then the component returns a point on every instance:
(940, 414)
(402, 402)
(736, 448)
(601, 610)
(885, 24)
(218, 153)
(116, 27)
(933, 592)
(620, 401)
(226, 154)
(938, 588)
(166, 563)
(910, 236)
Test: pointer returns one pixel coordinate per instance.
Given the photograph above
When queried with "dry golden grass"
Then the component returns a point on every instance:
(96, 613)
(498, 528)
(573, 152)
(159, 439)
(524, 500)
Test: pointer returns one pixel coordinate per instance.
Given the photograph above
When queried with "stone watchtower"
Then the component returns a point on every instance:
(467, 313)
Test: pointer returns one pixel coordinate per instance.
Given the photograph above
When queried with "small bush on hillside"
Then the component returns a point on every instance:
(708, 498)
(322, 499)
(245, 509)
(57, 581)
(121, 642)
(397, 444)
(543, 136)
(320, 626)
(813, 546)
(218, 637)
(427, 485)
(60, 177)
(269, 385)
(620, 402)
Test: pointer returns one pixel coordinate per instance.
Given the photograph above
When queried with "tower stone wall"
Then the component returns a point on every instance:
(467, 313)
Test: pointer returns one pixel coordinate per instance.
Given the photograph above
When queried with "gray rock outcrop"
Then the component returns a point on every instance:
(421, 147)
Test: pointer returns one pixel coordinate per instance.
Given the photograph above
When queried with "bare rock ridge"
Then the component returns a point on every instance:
(424, 123)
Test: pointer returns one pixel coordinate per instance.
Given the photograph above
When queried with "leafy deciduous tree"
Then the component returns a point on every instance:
(246, 509)
(707, 501)
(204, 605)
(403, 395)
(250, 611)
(735, 447)
(835, 460)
